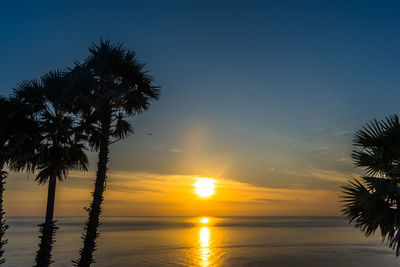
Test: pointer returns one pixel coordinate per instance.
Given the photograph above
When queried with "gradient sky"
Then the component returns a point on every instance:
(263, 96)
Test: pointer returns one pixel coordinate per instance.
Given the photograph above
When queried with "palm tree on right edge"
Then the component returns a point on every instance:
(111, 85)
(373, 201)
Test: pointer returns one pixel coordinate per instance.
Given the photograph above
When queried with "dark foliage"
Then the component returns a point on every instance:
(373, 201)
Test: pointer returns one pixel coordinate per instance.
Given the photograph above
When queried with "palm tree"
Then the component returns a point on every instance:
(373, 201)
(4, 158)
(61, 148)
(18, 135)
(112, 86)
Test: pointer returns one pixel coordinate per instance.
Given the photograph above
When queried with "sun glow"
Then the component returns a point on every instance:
(205, 220)
(204, 187)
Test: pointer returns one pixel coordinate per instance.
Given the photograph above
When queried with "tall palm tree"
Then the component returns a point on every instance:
(61, 148)
(112, 86)
(373, 201)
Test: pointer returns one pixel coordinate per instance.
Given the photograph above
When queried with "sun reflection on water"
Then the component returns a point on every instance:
(204, 246)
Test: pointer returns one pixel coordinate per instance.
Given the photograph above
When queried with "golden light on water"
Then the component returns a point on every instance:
(204, 187)
(204, 237)
(205, 252)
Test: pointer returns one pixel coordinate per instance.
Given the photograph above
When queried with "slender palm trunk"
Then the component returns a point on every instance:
(50, 199)
(47, 229)
(3, 226)
(89, 239)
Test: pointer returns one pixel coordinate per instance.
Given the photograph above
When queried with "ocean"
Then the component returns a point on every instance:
(194, 241)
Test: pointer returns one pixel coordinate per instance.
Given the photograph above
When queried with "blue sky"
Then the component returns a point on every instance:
(263, 92)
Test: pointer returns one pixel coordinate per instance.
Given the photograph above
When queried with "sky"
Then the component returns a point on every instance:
(262, 96)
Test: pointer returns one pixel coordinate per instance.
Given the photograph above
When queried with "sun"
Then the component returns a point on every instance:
(204, 187)
(205, 220)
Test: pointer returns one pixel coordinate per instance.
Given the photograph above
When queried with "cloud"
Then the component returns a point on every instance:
(274, 200)
(157, 147)
(175, 150)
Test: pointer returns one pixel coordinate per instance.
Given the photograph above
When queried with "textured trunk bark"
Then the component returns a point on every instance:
(3, 226)
(47, 229)
(43, 255)
(89, 239)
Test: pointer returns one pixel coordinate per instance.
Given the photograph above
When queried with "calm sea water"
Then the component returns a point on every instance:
(184, 241)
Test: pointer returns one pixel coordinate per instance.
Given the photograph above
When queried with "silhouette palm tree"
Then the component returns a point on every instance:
(373, 201)
(18, 134)
(61, 148)
(112, 86)
(5, 135)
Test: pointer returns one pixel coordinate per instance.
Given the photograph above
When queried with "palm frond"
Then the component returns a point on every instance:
(121, 129)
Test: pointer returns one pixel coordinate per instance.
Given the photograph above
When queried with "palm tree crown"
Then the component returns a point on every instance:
(112, 82)
(62, 143)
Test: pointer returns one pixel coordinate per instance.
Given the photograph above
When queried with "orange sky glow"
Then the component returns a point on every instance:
(145, 194)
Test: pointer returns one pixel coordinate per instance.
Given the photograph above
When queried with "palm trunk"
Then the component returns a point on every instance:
(47, 229)
(51, 194)
(89, 239)
(3, 226)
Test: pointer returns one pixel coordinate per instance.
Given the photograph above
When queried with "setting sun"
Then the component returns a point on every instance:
(204, 187)
(204, 220)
